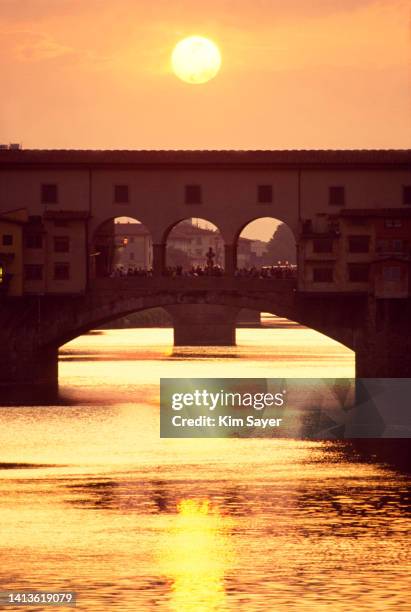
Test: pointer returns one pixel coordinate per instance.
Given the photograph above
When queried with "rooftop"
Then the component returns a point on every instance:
(135, 158)
(181, 230)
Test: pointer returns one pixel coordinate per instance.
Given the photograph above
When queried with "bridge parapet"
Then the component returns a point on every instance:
(242, 285)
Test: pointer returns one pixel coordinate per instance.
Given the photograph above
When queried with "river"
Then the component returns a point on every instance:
(92, 500)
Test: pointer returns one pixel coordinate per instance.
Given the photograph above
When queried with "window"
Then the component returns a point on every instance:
(60, 224)
(7, 239)
(49, 193)
(61, 271)
(390, 223)
(121, 195)
(358, 272)
(391, 273)
(264, 194)
(398, 246)
(193, 194)
(307, 226)
(34, 219)
(323, 245)
(392, 246)
(336, 196)
(358, 244)
(406, 195)
(383, 246)
(323, 275)
(61, 244)
(33, 272)
(34, 241)
(358, 221)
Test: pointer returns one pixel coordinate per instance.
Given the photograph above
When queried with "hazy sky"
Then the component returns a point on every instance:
(295, 74)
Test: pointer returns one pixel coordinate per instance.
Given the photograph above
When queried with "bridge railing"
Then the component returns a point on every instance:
(184, 283)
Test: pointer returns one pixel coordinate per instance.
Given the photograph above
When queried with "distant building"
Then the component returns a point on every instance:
(195, 241)
(258, 248)
(245, 254)
(134, 245)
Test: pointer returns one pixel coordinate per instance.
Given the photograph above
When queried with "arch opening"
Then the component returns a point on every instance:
(266, 247)
(194, 247)
(106, 310)
(122, 246)
(282, 334)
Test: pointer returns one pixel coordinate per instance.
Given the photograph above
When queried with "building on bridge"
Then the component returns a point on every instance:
(349, 212)
(358, 250)
(11, 252)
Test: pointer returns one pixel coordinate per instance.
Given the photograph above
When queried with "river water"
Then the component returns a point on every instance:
(92, 500)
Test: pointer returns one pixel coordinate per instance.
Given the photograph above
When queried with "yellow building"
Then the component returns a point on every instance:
(11, 251)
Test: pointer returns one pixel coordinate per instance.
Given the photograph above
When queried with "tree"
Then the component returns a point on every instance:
(281, 247)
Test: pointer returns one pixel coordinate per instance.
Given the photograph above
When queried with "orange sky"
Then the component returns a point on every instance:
(295, 74)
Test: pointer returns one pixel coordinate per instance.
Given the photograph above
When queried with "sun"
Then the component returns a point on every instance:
(196, 60)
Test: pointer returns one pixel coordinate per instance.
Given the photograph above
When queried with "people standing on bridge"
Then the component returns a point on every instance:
(210, 258)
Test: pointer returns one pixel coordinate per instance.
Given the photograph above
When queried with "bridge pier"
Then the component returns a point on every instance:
(377, 330)
(25, 368)
(383, 344)
(24, 363)
(230, 259)
(159, 259)
(203, 324)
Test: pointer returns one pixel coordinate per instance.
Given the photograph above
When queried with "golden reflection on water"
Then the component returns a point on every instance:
(196, 556)
(134, 523)
(128, 358)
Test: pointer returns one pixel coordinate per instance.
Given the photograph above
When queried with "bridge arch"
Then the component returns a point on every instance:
(264, 244)
(121, 246)
(193, 245)
(262, 219)
(198, 310)
(114, 298)
(104, 311)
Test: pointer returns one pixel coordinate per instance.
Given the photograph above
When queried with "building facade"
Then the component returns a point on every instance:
(11, 252)
(358, 250)
(134, 247)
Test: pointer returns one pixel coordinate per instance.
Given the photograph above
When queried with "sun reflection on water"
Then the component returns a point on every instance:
(196, 555)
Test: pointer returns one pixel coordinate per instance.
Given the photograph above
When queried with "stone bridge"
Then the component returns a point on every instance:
(343, 207)
(204, 312)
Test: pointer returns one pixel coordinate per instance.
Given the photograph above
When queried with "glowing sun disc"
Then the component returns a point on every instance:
(196, 60)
